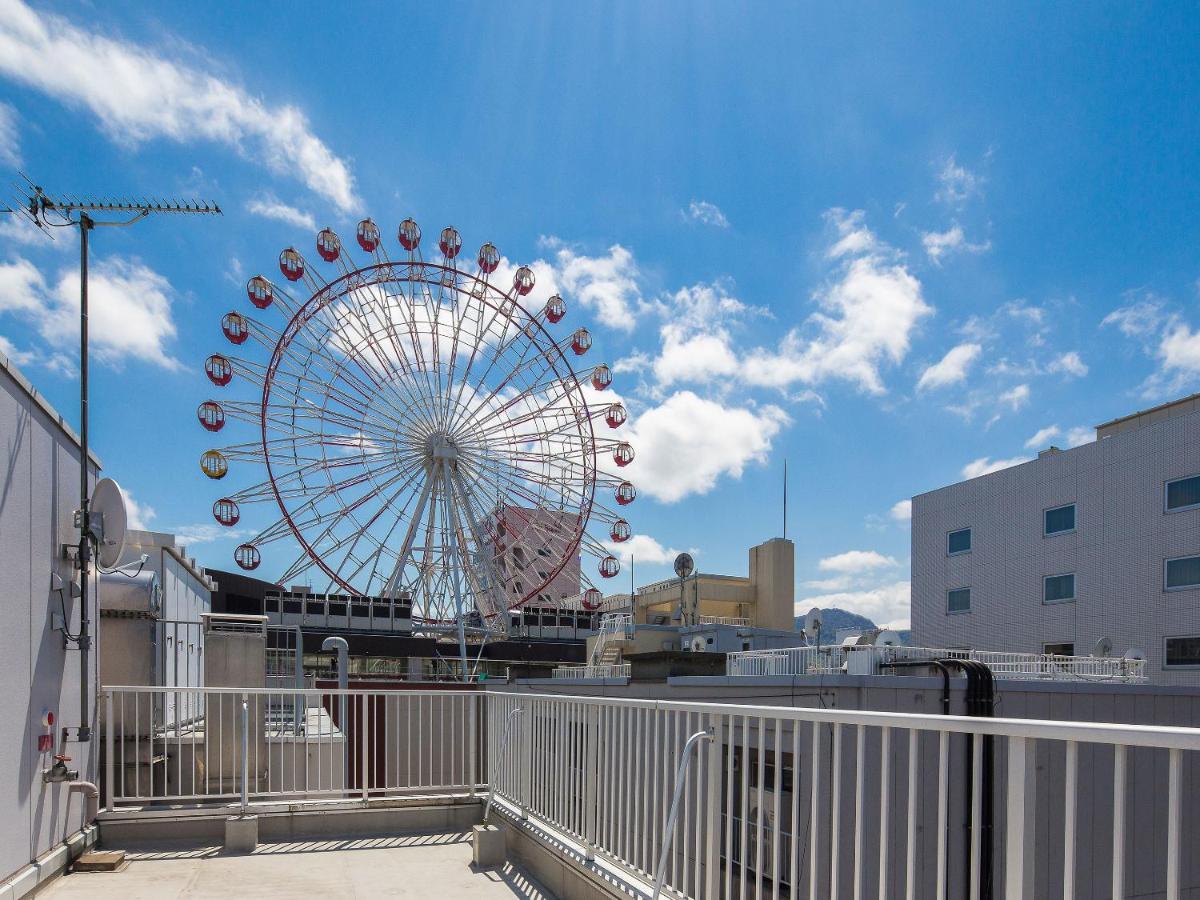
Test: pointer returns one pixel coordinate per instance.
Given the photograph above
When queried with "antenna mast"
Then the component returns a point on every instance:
(785, 499)
(64, 211)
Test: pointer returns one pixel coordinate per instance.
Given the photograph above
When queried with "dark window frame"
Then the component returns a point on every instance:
(1046, 648)
(959, 612)
(970, 541)
(1074, 589)
(1178, 637)
(1074, 519)
(1166, 569)
(1167, 508)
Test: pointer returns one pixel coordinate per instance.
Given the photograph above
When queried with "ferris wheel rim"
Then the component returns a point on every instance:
(413, 272)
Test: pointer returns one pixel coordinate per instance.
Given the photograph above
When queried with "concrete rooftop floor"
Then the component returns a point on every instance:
(424, 866)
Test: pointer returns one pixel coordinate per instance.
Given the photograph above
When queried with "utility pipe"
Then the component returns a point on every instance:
(91, 794)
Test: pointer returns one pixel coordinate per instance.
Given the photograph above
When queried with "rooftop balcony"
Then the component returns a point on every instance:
(608, 797)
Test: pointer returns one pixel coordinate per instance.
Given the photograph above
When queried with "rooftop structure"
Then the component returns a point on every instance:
(1091, 550)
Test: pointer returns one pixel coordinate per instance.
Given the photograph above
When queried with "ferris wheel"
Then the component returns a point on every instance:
(419, 432)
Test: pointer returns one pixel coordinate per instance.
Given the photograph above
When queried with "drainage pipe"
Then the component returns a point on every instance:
(91, 794)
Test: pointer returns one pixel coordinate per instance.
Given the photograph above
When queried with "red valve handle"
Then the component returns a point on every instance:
(61, 758)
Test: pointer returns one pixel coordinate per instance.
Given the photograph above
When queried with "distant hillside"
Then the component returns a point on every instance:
(834, 618)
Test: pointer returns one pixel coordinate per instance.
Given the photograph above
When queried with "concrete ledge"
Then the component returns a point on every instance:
(561, 867)
(124, 830)
(49, 865)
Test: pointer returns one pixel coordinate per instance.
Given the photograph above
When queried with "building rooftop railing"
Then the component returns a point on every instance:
(578, 673)
(739, 621)
(875, 660)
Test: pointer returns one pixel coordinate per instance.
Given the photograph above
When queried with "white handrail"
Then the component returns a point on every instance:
(669, 836)
(503, 750)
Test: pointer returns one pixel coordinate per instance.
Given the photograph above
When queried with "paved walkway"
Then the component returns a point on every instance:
(425, 866)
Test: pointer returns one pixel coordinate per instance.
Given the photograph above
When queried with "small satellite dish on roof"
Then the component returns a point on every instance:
(887, 638)
(1103, 647)
(1135, 653)
(684, 564)
(699, 645)
(108, 505)
(812, 624)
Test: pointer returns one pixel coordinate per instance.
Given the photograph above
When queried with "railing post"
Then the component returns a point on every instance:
(592, 763)
(364, 722)
(525, 771)
(1020, 813)
(476, 704)
(245, 752)
(109, 751)
(712, 812)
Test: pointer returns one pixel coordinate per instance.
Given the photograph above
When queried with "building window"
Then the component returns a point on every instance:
(1183, 493)
(958, 542)
(1182, 652)
(1182, 573)
(958, 600)
(1058, 588)
(1060, 520)
(1063, 649)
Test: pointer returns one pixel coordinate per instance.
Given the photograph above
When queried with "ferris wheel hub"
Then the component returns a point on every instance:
(441, 447)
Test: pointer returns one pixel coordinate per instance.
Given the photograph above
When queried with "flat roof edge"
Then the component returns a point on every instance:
(10, 368)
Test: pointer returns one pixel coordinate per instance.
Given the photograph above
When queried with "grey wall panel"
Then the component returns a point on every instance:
(39, 485)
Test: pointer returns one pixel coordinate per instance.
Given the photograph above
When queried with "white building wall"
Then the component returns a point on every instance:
(39, 491)
(1117, 551)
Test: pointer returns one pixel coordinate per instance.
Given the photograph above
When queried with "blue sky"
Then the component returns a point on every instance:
(892, 247)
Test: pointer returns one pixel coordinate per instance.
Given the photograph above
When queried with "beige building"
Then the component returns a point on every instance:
(765, 597)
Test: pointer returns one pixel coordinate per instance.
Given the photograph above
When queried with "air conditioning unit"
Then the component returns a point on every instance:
(761, 860)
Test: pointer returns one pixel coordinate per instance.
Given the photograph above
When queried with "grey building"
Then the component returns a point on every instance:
(39, 491)
(1099, 541)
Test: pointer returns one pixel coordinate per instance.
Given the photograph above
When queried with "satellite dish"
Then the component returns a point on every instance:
(684, 564)
(887, 638)
(1103, 647)
(109, 504)
(1135, 653)
(698, 644)
(812, 624)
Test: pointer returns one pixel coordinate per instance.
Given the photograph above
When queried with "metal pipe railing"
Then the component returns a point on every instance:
(669, 829)
(503, 750)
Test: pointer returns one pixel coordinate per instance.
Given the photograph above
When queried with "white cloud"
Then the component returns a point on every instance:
(269, 207)
(1137, 319)
(704, 213)
(634, 362)
(865, 320)
(1180, 348)
(696, 337)
(958, 184)
(952, 368)
(207, 533)
(1080, 435)
(946, 243)
(856, 561)
(21, 287)
(687, 442)
(10, 140)
(18, 357)
(140, 95)
(985, 465)
(129, 313)
(1015, 397)
(885, 604)
(129, 308)
(140, 514)
(1042, 437)
(1068, 364)
(641, 548)
(901, 511)
(606, 285)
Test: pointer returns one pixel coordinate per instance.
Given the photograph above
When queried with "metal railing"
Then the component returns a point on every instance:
(873, 660)
(787, 661)
(829, 803)
(781, 802)
(739, 621)
(301, 744)
(577, 673)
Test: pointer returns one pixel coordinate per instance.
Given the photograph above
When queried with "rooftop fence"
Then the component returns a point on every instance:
(716, 800)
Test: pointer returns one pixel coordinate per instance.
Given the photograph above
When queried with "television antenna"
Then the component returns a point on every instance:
(1103, 647)
(46, 210)
(684, 565)
(109, 523)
